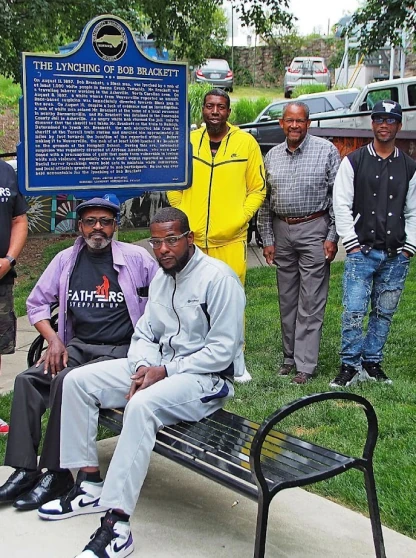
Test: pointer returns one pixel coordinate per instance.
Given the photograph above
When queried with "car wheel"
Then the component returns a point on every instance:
(230, 89)
(288, 94)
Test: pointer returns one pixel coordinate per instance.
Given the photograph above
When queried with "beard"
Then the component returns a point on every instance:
(214, 129)
(178, 266)
(97, 241)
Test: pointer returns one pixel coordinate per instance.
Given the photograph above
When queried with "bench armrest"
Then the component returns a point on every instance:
(286, 410)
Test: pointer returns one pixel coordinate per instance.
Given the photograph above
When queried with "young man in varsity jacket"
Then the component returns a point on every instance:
(375, 216)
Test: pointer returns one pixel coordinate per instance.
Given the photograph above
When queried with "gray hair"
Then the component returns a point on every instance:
(298, 104)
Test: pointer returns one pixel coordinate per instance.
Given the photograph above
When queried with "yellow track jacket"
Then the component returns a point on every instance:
(226, 190)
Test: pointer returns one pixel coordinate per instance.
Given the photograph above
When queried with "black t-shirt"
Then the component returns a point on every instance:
(96, 301)
(12, 204)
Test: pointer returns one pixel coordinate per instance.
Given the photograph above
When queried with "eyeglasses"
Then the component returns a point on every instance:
(380, 120)
(92, 221)
(295, 120)
(168, 240)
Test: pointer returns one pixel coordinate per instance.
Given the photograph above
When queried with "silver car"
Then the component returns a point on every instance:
(337, 100)
(306, 70)
(215, 71)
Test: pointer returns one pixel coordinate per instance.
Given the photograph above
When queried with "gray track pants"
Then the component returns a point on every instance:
(179, 397)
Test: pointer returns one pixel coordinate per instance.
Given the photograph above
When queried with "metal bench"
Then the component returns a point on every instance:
(257, 460)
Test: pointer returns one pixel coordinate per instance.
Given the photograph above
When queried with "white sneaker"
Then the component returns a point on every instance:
(83, 498)
(112, 540)
(245, 378)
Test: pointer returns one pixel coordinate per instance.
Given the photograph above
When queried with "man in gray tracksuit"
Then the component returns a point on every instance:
(184, 353)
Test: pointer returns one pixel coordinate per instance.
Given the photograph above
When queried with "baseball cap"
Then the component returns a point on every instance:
(98, 202)
(387, 108)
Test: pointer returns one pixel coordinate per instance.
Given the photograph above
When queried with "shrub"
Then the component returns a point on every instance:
(196, 93)
(307, 89)
(246, 110)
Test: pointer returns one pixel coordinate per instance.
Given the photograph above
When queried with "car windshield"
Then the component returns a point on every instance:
(215, 65)
(274, 112)
(345, 99)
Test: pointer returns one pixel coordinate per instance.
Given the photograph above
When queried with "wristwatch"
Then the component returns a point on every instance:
(11, 260)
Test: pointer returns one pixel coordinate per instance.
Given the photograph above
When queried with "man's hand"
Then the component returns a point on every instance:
(407, 254)
(354, 250)
(268, 253)
(144, 377)
(55, 357)
(4, 267)
(330, 250)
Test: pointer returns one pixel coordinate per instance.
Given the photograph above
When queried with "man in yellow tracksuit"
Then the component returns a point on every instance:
(228, 185)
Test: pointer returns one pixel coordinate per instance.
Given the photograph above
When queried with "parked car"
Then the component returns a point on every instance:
(215, 71)
(339, 101)
(402, 90)
(306, 70)
(327, 102)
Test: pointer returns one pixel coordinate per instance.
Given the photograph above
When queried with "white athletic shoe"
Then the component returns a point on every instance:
(83, 498)
(245, 378)
(112, 540)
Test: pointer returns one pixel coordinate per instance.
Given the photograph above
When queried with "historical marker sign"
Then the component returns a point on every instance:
(103, 118)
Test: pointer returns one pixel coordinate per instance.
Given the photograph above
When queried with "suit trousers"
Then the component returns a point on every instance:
(186, 396)
(34, 392)
(302, 282)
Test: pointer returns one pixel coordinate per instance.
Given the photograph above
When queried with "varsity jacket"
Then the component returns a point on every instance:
(135, 268)
(356, 189)
(226, 190)
(193, 322)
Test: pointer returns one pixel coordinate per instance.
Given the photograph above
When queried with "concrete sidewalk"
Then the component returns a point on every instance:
(183, 515)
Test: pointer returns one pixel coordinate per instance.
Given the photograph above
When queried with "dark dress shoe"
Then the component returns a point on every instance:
(18, 483)
(50, 486)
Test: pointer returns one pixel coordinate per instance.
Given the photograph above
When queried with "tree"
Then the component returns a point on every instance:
(383, 21)
(181, 25)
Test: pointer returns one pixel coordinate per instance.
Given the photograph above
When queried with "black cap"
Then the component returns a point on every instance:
(98, 202)
(387, 108)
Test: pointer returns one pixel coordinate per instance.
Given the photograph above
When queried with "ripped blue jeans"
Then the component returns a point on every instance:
(377, 279)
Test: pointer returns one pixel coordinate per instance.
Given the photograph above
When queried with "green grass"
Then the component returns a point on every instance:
(340, 426)
(241, 91)
(336, 425)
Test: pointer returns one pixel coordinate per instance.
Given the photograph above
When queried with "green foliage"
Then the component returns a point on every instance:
(242, 75)
(246, 110)
(190, 28)
(9, 93)
(196, 94)
(43, 25)
(287, 43)
(308, 89)
(383, 22)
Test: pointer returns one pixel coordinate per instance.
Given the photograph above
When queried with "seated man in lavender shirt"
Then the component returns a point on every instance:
(101, 286)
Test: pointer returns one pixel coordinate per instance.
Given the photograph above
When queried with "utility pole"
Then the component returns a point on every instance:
(232, 38)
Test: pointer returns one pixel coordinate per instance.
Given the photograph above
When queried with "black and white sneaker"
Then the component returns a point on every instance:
(83, 498)
(375, 373)
(112, 540)
(348, 375)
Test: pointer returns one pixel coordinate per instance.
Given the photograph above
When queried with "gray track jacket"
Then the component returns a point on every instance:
(193, 322)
